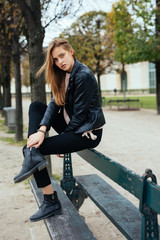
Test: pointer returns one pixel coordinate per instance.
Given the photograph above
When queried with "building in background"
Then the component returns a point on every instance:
(139, 78)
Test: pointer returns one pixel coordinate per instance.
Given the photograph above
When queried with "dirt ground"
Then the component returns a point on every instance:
(129, 137)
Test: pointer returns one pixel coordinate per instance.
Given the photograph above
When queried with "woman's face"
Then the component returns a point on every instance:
(63, 58)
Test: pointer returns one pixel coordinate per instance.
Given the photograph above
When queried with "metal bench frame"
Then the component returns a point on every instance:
(148, 192)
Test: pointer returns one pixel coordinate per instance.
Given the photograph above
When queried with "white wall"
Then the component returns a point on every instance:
(137, 77)
(109, 81)
(24, 88)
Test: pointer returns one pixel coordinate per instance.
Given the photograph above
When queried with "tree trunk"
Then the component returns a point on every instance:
(1, 96)
(32, 14)
(158, 85)
(158, 61)
(99, 88)
(1, 101)
(6, 83)
(36, 60)
(123, 85)
(17, 75)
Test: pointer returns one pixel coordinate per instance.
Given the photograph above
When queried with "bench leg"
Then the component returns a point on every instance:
(68, 183)
(77, 197)
(149, 225)
(149, 218)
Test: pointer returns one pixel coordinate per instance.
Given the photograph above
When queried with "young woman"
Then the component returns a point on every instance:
(74, 112)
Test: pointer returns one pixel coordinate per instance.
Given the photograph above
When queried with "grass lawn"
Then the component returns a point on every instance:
(148, 102)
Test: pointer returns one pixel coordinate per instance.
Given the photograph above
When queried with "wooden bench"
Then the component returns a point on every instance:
(126, 104)
(121, 212)
(68, 226)
(132, 222)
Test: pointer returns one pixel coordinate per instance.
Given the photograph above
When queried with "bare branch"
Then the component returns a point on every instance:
(65, 11)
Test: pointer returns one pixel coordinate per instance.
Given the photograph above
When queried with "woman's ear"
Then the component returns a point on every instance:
(71, 51)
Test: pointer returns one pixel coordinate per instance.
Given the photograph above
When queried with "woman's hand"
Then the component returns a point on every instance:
(35, 140)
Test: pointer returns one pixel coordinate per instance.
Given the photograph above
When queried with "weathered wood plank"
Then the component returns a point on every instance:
(121, 212)
(126, 178)
(69, 225)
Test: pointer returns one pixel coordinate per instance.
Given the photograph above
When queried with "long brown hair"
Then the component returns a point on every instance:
(54, 75)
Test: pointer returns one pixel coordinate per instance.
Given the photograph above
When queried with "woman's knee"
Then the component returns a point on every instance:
(96, 142)
(37, 106)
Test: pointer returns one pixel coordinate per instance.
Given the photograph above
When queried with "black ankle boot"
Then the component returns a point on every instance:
(51, 206)
(23, 150)
(33, 161)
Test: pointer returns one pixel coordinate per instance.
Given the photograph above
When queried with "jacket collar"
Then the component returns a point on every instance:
(75, 69)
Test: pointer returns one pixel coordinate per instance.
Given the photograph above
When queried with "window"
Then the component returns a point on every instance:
(152, 77)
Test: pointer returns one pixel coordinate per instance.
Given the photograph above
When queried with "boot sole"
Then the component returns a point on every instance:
(38, 167)
(58, 212)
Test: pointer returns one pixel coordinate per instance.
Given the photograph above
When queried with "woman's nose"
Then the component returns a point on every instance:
(60, 60)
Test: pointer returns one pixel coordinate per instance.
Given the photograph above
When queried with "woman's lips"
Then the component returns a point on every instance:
(63, 66)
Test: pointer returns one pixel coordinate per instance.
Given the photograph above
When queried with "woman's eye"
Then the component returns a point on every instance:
(60, 56)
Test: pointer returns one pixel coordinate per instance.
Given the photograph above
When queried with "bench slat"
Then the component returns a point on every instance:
(69, 225)
(124, 215)
(129, 180)
(126, 178)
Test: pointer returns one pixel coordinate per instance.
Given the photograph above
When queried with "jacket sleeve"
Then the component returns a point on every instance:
(84, 88)
(50, 113)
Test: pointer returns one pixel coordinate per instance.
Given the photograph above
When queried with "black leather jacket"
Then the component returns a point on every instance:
(82, 102)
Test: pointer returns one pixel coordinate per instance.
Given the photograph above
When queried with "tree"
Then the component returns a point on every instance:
(157, 61)
(124, 39)
(92, 44)
(31, 11)
(5, 56)
(147, 31)
(11, 26)
(15, 29)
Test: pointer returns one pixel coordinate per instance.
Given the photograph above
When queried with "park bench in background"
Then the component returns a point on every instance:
(128, 104)
(132, 222)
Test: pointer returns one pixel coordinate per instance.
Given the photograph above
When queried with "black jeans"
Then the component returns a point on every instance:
(59, 144)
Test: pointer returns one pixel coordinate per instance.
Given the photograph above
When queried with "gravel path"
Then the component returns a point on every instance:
(130, 138)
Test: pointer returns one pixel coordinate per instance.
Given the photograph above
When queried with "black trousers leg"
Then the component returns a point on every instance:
(36, 112)
(59, 144)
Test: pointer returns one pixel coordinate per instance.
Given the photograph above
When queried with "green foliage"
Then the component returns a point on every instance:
(134, 31)
(92, 44)
(123, 33)
(147, 44)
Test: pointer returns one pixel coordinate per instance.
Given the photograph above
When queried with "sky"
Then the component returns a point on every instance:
(54, 29)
